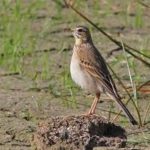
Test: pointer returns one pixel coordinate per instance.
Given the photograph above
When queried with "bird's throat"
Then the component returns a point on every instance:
(78, 41)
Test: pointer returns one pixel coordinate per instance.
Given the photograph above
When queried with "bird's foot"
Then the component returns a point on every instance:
(94, 114)
(89, 113)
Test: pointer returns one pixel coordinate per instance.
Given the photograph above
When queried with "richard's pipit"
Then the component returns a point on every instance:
(89, 70)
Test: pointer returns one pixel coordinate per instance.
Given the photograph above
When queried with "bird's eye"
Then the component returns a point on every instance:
(80, 30)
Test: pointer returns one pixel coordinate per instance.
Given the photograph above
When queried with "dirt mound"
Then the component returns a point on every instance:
(77, 132)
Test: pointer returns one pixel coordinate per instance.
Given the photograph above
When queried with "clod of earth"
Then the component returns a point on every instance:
(77, 132)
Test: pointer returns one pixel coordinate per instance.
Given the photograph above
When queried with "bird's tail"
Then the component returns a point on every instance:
(126, 111)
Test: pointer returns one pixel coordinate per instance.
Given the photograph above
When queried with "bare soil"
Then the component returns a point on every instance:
(26, 101)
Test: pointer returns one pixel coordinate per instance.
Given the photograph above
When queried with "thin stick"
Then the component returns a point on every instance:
(120, 45)
(143, 4)
(130, 98)
(144, 84)
(146, 113)
(110, 38)
(132, 84)
(127, 46)
(130, 76)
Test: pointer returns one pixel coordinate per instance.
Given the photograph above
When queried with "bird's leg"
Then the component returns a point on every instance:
(94, 104)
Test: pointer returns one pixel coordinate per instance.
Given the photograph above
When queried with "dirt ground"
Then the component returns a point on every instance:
(31, 96)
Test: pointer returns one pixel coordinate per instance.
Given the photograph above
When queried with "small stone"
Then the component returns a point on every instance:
(64, 134)
(78, 132)
(10, 114)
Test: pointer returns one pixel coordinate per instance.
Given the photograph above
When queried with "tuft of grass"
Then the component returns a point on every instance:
(138, 21)
(70, 98)
(134, 14)
(15, 42)
(133, 88)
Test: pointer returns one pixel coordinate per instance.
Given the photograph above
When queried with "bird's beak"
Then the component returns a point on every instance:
(72, 30)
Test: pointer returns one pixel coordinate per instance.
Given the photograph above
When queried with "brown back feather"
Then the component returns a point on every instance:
(92, 61)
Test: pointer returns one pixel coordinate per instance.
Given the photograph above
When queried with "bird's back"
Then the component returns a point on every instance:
(92, 61)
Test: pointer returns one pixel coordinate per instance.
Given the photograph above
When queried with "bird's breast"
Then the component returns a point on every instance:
(80, 76)
(77, 73)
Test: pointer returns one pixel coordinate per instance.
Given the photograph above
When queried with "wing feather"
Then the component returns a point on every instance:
(92, 62)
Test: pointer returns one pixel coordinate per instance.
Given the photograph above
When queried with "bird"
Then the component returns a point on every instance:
(89, 70)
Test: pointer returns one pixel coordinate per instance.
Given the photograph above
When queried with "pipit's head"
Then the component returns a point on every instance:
(81, 34)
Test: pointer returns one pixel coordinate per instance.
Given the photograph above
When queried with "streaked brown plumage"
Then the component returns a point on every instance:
(89, 70)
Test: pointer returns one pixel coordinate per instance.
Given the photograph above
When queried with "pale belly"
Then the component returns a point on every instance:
(82, 78)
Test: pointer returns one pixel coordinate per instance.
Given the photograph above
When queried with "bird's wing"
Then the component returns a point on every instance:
(92, 62)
